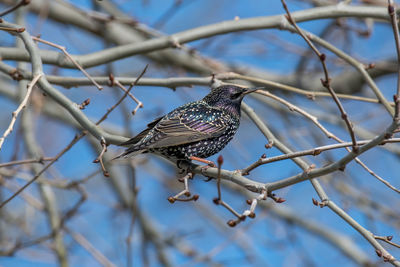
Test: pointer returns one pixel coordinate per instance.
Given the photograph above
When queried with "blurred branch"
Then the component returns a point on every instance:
(64, 50)
(25, 161)
(39, 173)
(174, 82)
(327, 81)
(394, 21)
(16, 6)
(173, 41)
(47, 194)
(97, 255)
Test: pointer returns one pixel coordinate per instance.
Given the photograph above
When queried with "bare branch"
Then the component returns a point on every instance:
(64, 50)
(19, 109)
(16, 6)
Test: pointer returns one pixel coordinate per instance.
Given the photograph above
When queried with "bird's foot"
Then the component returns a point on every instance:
(183, 166)
(185, 191)
(203, 170)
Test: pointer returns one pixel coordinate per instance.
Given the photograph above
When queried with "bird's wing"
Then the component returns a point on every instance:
(189, 125)
(143, 133)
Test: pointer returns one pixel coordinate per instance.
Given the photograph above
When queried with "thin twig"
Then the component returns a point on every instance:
(18, 110)
(123, 97)
(8, 29)
(175, 7)
(253, 204)
(64, 50)
(138, 102)
(327, 82)
(16, 6)
(25, 161)
(174, 82)
(128, 240)
(311, 152)
(307, 93)
(102, 140)
(30, 199)
(394, 21)
(387, 239)
(218, 200)
(62, 152)
(97, 255)
(220, 160)
(99, 159)
(185, 191)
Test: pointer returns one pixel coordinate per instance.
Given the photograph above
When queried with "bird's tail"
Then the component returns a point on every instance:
(130, 152)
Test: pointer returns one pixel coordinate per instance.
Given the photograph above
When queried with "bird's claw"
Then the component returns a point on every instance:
(203, 169)
(183, 166)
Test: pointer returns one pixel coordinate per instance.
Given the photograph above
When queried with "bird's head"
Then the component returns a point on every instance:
(227, 97)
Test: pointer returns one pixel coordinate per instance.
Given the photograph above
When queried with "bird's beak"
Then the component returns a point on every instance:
(251, 90)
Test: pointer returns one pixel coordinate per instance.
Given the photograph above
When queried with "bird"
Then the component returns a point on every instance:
(196, 130)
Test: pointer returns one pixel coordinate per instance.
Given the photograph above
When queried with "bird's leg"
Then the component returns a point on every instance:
(205, 167)
(185, 191)
(208, 162)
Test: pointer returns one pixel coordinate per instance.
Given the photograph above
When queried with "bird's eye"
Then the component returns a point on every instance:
(236, 95)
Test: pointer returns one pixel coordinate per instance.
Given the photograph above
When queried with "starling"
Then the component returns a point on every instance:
(198, 129)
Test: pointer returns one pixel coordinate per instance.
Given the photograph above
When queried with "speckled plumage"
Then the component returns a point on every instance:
(201, 128)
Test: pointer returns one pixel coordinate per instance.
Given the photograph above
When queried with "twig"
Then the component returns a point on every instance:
(175, 7)
(102, 139)
(97, 255)
(162, 42)
(332, 166)
(220, 160)
(387, 239)
(128, 240)
(31, 200)
(138, 102)
(312, 152)
(185, 191)
(394, 21)
(64, 50)
(18, 110)
(123, 97)
(376, 175)
(74, 209)
(17, 30)
(253, 204)
(25, 161)
(16, 6)
(298, 110)
(100, 157)
(174, 82)
(20, 245)
(327, 82)
(62, 152)
(218, 200)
